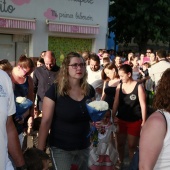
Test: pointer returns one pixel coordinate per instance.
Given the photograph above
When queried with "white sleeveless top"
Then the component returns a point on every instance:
(163, 162)
(135, 75)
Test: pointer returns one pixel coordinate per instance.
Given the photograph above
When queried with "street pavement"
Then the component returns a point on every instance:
(126, 159)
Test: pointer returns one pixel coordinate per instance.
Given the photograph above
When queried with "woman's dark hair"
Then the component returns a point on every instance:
(162, 96)
(32, 159)
(161, 53)
(26, 62)
(41, 60)
(132, 59)
(86, 55)
(109, 66)
(94, 57)
(126, 68)
(6, 65)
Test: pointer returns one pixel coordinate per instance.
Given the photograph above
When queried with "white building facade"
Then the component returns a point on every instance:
(32, 26)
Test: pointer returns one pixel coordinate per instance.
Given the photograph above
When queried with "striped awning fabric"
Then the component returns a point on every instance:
(72, 28)
(19, 23)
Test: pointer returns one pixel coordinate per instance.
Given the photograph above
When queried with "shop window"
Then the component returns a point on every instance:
(12, 46)
(62, 46)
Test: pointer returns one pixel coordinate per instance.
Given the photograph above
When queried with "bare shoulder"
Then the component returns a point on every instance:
(48, 100)
(140, 87)
(156, 121)
(156, 117)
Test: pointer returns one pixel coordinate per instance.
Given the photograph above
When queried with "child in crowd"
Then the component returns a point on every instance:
(144, 70)
(36, 159)
(104, 156)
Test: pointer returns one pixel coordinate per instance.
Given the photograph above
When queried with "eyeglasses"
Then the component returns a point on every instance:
(76, 65)
(148, 52)
(4, 61)
(25, 72)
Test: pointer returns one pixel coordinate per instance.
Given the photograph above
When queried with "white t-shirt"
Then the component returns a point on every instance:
(7, 108)
(157, 70)
(163, 161)
(95, 79)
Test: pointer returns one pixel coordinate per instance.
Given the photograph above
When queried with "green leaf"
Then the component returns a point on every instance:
(141, 20)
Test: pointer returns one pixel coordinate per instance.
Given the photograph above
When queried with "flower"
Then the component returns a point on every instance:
(96, 110)
(22, 105)
(20, 99)
(99, 105)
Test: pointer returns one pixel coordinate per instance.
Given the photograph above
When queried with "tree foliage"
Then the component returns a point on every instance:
(142, 20)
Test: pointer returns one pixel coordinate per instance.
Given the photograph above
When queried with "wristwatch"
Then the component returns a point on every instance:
(24, 167)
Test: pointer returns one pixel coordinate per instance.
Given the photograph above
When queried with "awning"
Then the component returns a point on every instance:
(72, 28)
(20, 23)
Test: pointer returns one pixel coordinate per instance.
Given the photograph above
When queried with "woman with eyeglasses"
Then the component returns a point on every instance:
(65, 115)
(23, 87)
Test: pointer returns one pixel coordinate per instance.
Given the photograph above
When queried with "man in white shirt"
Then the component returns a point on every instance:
(157, 69)
(9, 141)
(94, 74)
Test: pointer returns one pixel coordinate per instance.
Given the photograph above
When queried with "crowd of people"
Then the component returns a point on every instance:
(136, 88)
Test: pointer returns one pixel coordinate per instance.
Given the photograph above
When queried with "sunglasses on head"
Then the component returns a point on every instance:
(4, 61)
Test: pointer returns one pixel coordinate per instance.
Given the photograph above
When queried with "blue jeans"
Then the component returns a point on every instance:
(64, 160)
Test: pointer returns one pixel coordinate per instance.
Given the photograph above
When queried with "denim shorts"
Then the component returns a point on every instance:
(67, 160)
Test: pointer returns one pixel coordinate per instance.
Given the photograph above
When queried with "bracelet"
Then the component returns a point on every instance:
(24, 167)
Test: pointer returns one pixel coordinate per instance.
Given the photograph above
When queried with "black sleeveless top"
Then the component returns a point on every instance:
(129, 107)
(110, 94)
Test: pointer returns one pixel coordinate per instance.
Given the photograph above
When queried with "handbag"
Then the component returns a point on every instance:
(134, 164)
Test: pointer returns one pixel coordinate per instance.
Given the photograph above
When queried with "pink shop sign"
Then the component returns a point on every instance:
(74, 28)
(2, 22)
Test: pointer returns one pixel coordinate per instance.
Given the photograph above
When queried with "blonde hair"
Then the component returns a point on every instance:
(62, 80)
